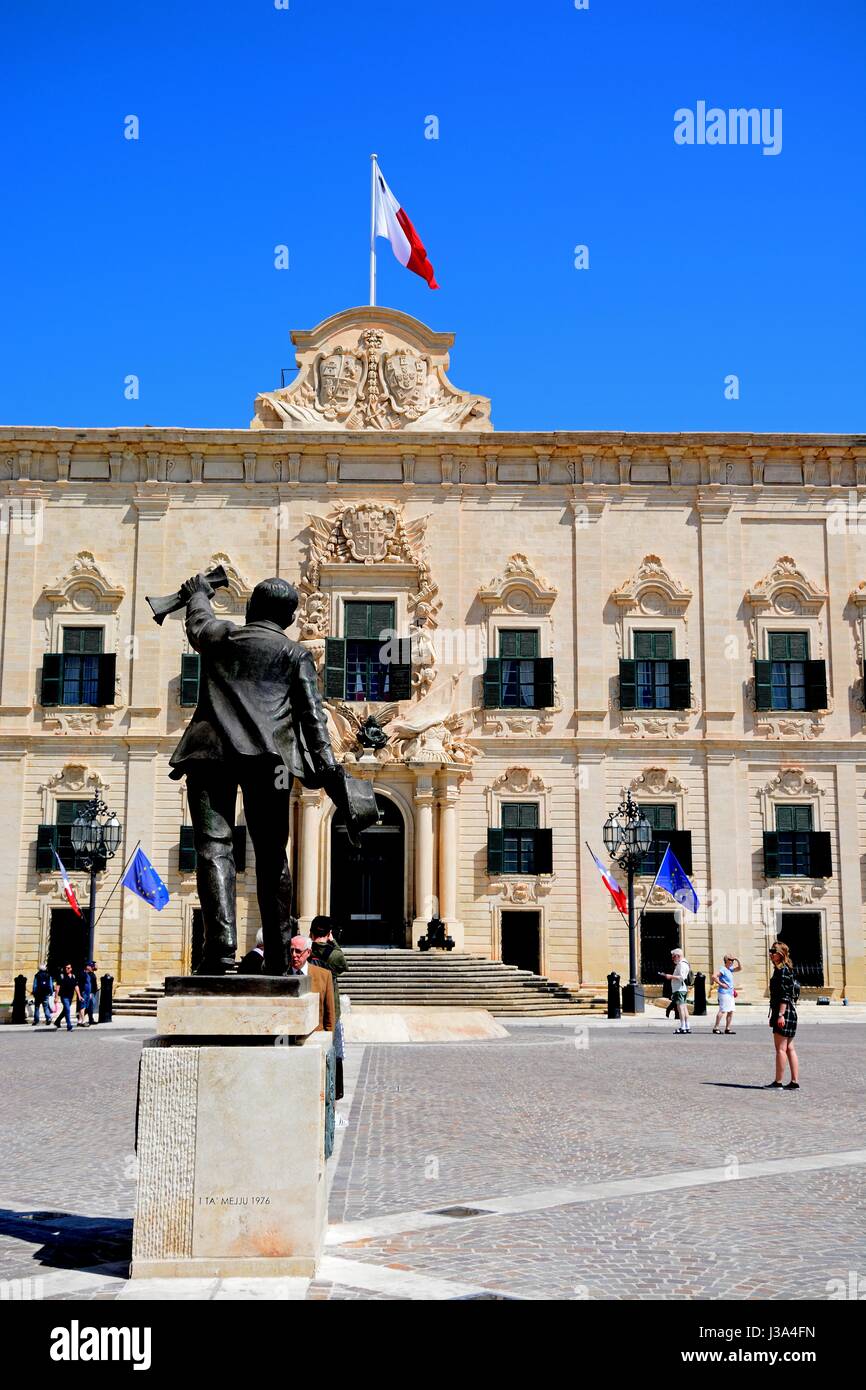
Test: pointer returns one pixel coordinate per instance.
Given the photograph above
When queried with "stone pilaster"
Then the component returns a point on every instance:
(308, 856)
(18, 680)
(729, 874)
(426, 904)
(593, 898)
(15, 845)
(448, 798)
(847, 871)
(146, 687)
(590, 673)
(142, 769)
(719, 628)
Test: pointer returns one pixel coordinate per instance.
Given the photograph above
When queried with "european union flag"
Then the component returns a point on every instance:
(673, 877)
(141, 878)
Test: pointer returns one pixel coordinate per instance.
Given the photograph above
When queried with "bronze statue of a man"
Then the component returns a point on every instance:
(259, 721)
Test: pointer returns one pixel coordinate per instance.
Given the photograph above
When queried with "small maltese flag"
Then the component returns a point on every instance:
(68, 890)
(392, 222)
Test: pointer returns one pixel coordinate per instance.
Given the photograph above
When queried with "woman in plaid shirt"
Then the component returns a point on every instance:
(783, 1016)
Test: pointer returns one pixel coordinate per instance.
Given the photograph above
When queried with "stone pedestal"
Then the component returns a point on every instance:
(231, 1132)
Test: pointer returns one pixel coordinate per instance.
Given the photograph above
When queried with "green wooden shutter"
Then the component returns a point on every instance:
(680, 684)
(335, 668)
(190, 672)
(46, 841)
(627, 684)
(763, 685)
(816, 685)
(493, 683)
(495, 849)
(543, 682)
(820, 855)
(380, 619)
(400, 681)
(680, 842)
(239, 846)
(186, 854)
(771, 854)
(544, 851)
(105, 679)
(52, 678)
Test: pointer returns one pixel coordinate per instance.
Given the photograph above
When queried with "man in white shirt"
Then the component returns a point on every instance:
(679, 988)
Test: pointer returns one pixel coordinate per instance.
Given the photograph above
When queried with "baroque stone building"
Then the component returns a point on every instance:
(535, 621)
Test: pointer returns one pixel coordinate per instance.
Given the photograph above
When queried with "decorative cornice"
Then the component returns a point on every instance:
(86, 577)
(518, 573)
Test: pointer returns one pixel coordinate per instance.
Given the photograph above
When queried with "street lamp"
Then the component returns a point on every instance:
(628, 837)
(96, 834)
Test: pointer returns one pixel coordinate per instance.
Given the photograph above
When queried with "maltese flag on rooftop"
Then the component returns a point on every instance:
(392, 222)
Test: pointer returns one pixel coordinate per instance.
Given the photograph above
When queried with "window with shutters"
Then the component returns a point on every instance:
(518, 678)
(190, 674)
(653, 653)
(519, 824)
(662, 817)
(82, 673)
(788, 653)
(793, 824)
(82, 648)
(66, 813)
(518, 649)
(368, 663)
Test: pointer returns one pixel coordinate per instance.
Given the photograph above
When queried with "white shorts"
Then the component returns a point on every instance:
(726, 1001)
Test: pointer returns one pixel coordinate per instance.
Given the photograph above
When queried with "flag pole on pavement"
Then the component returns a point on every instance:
(373, 168)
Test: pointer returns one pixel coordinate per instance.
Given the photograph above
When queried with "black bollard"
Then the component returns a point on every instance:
(19, 1000)
(700, 1005)
(105, 985)
(613, 1001)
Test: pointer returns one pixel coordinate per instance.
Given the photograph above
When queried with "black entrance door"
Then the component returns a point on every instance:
(520, 940)
(367, 883)
(801, 933)
(659, 934)
(68, 940)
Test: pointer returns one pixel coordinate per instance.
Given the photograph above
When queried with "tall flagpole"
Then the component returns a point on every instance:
(373, 167)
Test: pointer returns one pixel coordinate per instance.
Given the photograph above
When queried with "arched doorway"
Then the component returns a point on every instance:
(367, 883)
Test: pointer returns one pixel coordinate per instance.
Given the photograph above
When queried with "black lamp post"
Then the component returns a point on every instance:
(96, 834)
(628, 837)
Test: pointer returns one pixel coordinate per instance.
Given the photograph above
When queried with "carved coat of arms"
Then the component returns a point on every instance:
(406, 382)
(369, 531)
(339, 376)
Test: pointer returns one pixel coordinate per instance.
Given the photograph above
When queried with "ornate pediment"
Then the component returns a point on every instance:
(234, 598)
(85, 587)
(653, 590)
(786, 590)
(792, 781)
(519, 577)
(519, 780)
(657, 781)
(371, 369)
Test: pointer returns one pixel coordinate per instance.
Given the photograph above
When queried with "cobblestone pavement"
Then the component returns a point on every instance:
(721, 1189)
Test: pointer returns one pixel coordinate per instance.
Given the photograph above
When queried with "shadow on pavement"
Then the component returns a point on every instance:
(68, 1241)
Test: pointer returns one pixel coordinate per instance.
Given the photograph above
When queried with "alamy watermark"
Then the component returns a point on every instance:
(738, 125)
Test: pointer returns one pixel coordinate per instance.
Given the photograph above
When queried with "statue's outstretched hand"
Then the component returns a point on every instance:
(196, 584)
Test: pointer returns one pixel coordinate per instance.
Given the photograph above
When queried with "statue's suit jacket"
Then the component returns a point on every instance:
(258, 695)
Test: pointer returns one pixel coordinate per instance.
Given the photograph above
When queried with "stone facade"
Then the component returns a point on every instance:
(405, 494)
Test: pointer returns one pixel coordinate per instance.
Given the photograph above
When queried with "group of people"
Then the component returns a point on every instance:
(56, 998)
(784, 993)
(319, 958)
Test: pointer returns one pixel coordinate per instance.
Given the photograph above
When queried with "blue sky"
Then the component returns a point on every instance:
(155, 257)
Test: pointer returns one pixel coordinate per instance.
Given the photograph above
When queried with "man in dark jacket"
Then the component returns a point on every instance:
(43, 994)
(259, 721)
(253, 963)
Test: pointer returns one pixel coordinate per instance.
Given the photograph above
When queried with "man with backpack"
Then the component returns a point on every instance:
(43, 994)
(680, 978)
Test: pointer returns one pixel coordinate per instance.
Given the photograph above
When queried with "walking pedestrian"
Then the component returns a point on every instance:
(87, 986)
(326, 952)
(784, 992)
(680, 978)
(43, 994)
(66, 991)
(724, 978)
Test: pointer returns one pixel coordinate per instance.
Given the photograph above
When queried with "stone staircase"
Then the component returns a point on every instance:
(447, 979)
